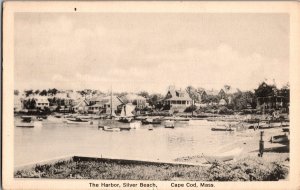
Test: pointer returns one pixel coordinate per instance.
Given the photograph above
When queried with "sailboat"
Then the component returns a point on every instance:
(126, 115)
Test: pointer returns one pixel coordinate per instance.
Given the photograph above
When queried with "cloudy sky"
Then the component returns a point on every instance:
(149, 51)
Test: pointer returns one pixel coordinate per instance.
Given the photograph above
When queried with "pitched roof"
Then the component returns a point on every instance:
(178, 95)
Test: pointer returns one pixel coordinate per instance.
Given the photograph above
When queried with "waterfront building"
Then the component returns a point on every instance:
(41, 102)
(104, 104)
(177, 99)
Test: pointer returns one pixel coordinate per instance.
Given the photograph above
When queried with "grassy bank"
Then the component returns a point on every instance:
(246, 169)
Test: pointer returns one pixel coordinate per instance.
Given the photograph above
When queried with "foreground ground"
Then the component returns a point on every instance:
(246, 169)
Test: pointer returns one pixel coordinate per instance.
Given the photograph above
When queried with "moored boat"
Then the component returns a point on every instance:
(222, 128)
(76, 121)
(26, 122)
(111, 129)
(286, 129)
(169, 124)
(151, 121)
(150, 128)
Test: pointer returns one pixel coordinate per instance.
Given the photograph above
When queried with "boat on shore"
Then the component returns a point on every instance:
(150, 128)
(279, 139)
(223, 157)
(26, 122)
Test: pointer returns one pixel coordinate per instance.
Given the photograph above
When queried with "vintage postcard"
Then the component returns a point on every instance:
(151, 95)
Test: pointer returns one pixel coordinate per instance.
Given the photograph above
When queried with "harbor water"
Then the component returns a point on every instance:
(52, 138)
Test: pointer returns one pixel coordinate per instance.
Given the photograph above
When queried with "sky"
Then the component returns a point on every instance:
(149, 51)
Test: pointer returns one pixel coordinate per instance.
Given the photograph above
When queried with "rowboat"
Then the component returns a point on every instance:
(151, 121)
(111, 129)
(223, 157)
(76, 121)
(279, 139)
(222, 129)
(125, 128)
(169, 124)
(150, 128)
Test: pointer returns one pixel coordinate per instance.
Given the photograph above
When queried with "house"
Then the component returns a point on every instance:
(138, 101)
(81, 106)
(41, 102)
(103, 104)
(177, 99)
(275, 102)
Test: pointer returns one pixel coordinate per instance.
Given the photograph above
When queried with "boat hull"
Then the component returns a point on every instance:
(221, 129)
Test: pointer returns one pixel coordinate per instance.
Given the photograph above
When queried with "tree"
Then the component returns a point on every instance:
(241, 100)
(28, 92)
(43, 93)
(192, 93)
(37, 91)
(52, 91)
(154, 99)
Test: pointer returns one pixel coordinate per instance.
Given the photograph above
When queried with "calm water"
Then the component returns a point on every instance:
(52, 138)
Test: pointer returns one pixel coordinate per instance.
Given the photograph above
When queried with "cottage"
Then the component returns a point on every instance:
(104, 104)
(177, 99)
(80, 106)
(41, 102)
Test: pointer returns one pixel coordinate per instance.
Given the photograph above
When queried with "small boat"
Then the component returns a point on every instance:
(111, 129)
(125, 128)
(39, 118)
(150, 128)
(177, 118)
(279, 139)
(222, 128)
(169, 124)
(58, 115)
(285, 124)
(151, 121)
(135, 125)
(26, 122)
(286, 129)
(126, 115)
(223, 157)
(76, 121)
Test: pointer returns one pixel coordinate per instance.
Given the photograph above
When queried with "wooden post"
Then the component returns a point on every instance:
(261, 144)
